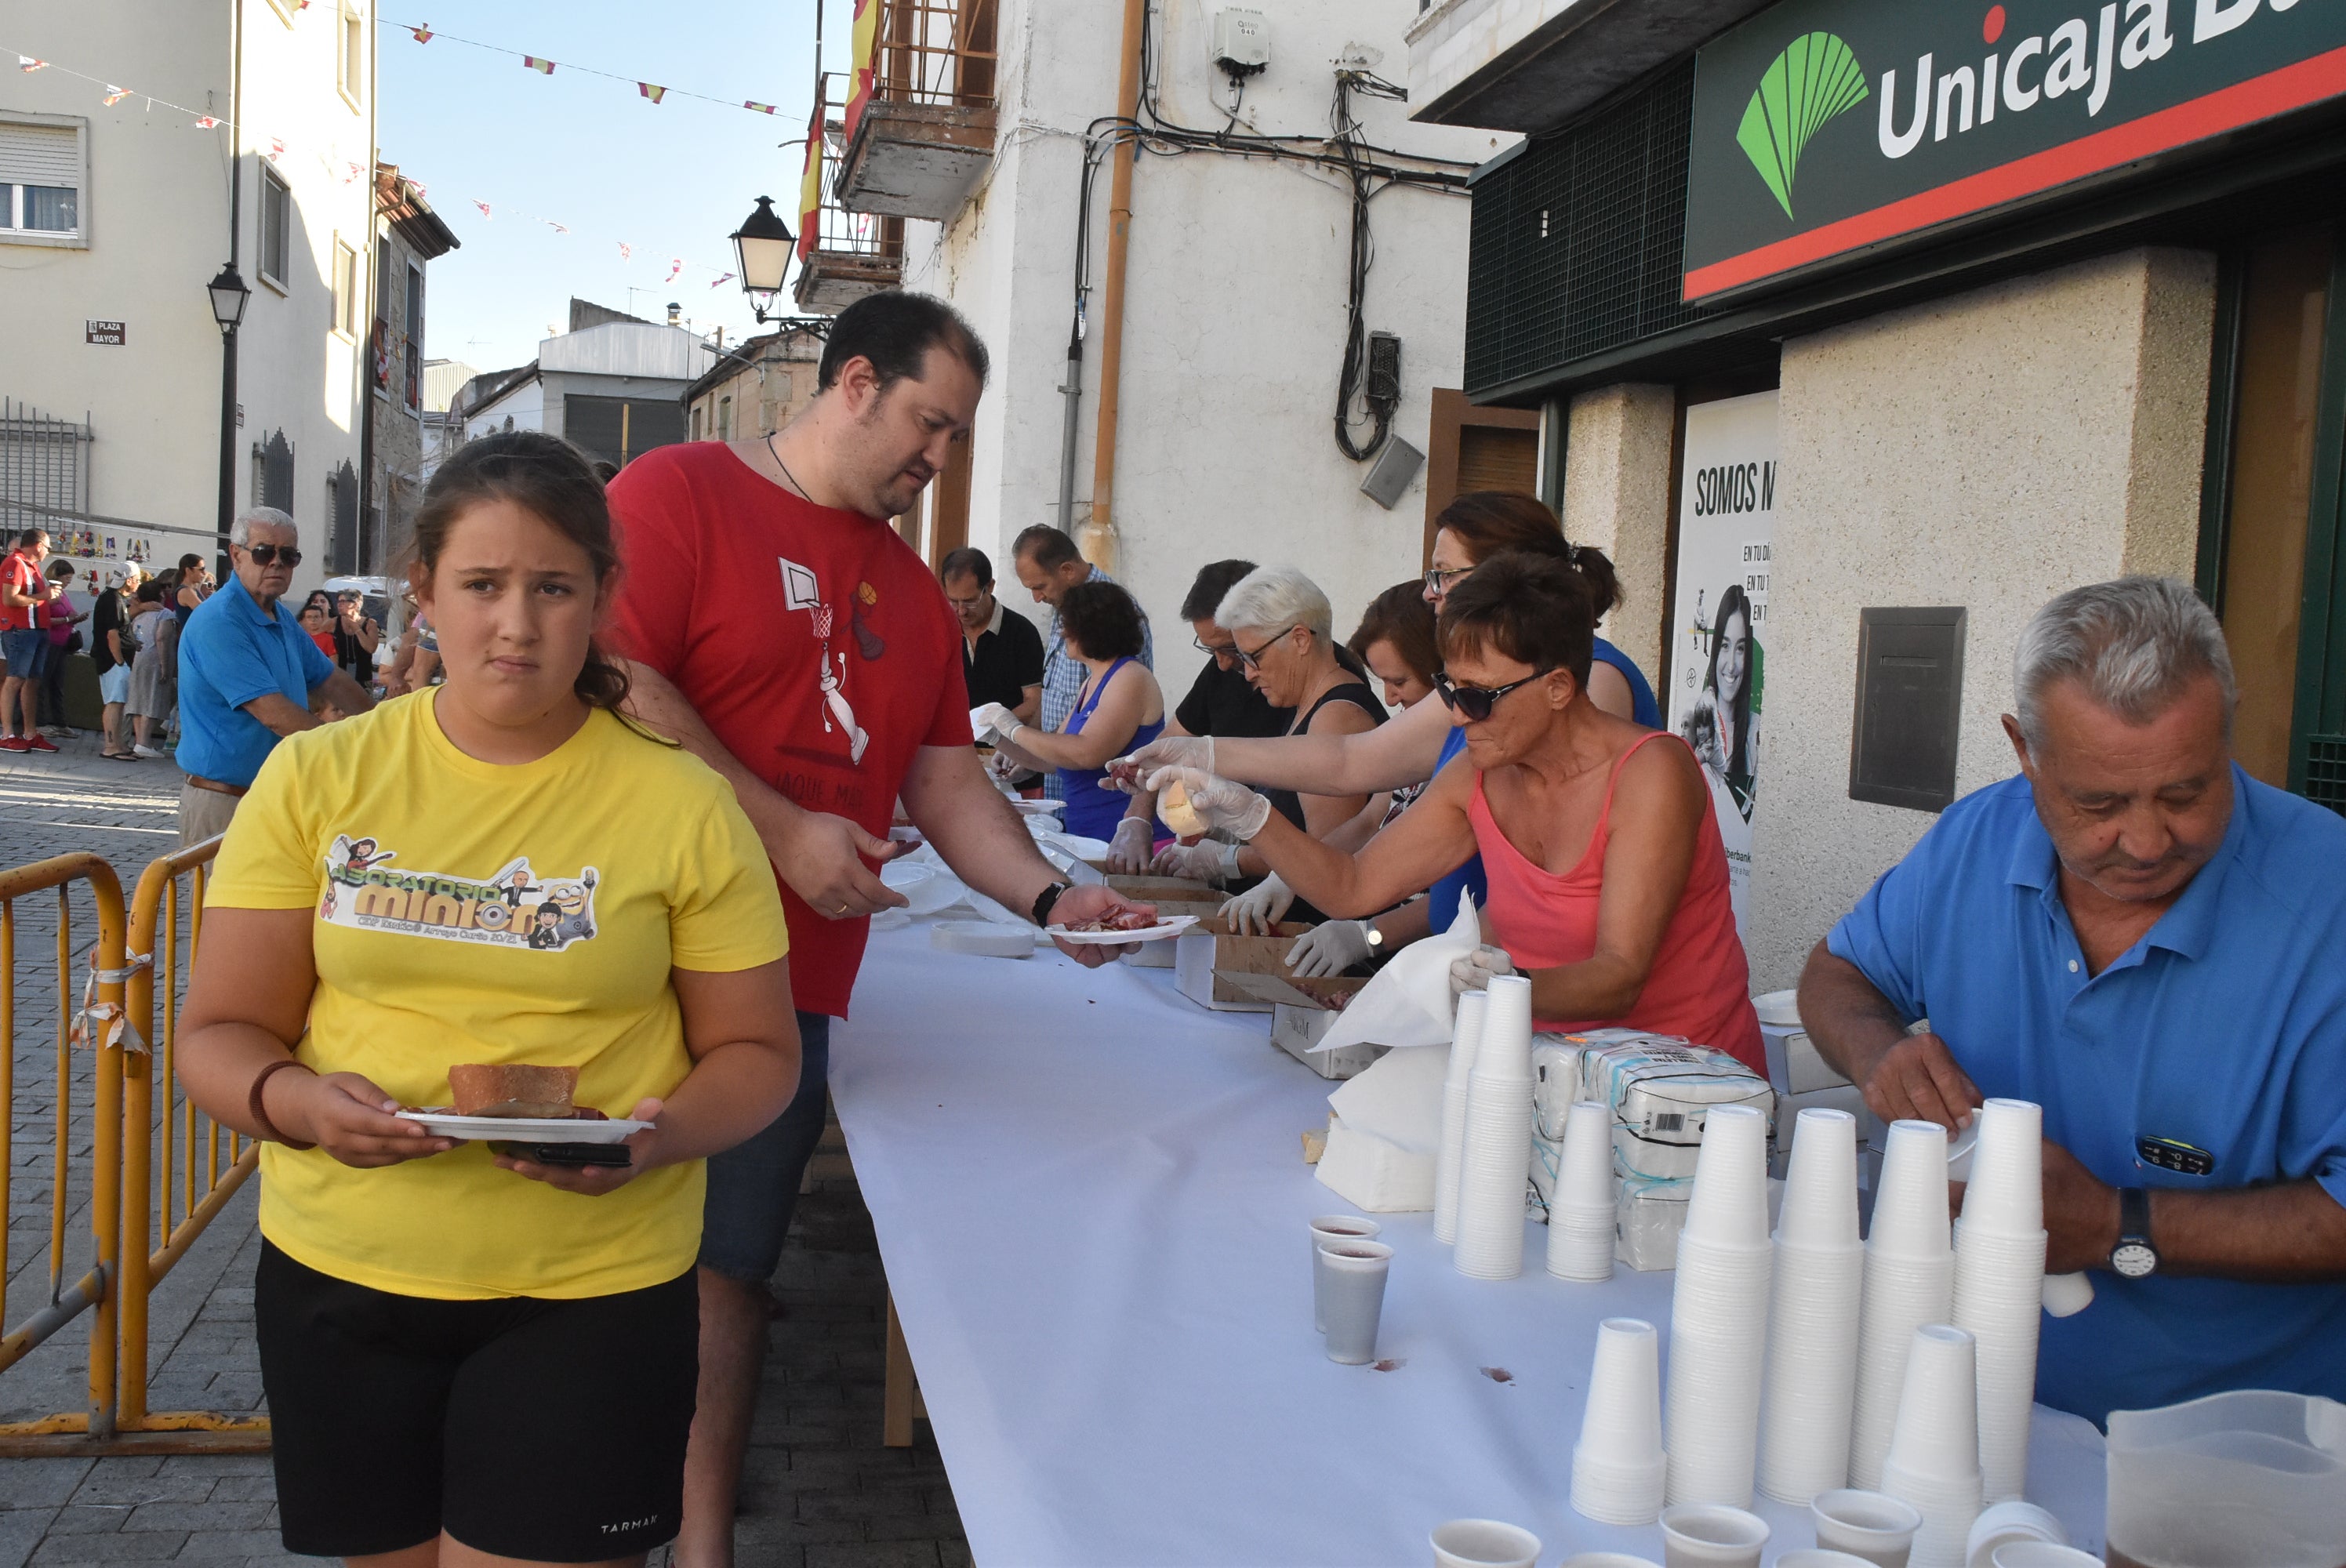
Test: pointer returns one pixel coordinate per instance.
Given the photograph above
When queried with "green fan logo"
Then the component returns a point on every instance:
(1812, 82)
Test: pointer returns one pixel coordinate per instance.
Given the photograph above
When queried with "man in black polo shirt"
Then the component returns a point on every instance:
(1221, 702)
(1001, 654)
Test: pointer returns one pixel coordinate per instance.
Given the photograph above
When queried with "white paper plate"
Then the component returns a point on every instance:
(1172, 926)
(522, 1129)
(982, 939)
(1038, 808)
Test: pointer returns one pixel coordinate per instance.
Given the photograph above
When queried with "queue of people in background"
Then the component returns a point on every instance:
(1048, 565)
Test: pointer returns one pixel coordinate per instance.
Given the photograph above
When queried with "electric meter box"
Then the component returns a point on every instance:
(1241, 41)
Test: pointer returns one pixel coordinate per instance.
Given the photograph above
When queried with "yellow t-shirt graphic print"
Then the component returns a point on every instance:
(464, 912)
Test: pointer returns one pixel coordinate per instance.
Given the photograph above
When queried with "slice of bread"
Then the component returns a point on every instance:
(513, 1089)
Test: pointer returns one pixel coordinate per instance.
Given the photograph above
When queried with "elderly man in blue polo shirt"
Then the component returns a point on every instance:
(2150, 944)
(248, 674)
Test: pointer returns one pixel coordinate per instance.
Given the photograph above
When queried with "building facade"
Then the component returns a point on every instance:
(758, 386)
(257, 148)
(612, 385)
(1861, 330)
(408, 235)
(1240, 339)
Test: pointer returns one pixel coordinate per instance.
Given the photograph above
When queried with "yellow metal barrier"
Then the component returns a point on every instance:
(172, 1163)
(100, 1018)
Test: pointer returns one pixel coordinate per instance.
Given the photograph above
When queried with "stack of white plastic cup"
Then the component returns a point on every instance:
(1580, 1217)
(1617, 1466)
(2000, 1284)
(1719, 1314)
(1934, 1462)
(1910, 1281)
(1812, 1382)
(1465, 1035)
(1496, 1162)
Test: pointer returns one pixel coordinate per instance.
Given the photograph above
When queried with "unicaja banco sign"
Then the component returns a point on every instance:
(1823, 127)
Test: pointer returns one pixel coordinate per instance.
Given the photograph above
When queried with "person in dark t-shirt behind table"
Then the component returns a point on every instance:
(1001, 652)
(822, 722)
(1221, 701)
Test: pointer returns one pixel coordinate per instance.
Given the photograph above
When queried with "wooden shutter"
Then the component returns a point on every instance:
(1472, 449)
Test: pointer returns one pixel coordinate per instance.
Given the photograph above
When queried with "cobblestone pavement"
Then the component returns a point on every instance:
(819, 1492)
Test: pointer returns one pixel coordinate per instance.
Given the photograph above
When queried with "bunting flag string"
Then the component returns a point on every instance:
(651, 92)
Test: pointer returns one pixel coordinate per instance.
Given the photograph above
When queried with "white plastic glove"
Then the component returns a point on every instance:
(994, 717)
(1329, 949)
(1478, 969)
(1004, 766)
(1263, 906)
(1130, 847)
(1126, 772)
(1226, 809)
(1207, 862)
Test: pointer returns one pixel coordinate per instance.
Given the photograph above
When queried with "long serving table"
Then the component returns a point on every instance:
(1091, 1201)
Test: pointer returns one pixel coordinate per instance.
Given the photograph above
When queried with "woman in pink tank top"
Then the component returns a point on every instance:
(1607, 878)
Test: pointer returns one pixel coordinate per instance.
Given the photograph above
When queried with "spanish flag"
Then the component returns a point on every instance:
(543, 67)
(865, 46)
(651, 92)
(811, 187)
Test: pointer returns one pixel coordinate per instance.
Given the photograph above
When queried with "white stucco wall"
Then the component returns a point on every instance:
(156, 212)
(526, 406)
(1988, 450)
(1235, 308)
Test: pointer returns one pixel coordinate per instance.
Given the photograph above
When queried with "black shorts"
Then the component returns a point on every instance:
(523, 1427)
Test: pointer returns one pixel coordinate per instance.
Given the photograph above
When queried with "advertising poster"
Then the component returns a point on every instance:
(1718, 675)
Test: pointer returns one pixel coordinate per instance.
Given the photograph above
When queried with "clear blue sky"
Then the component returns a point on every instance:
(671, 179)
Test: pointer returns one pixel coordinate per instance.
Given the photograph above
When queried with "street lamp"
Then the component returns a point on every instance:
(229, 298)
(761, 253)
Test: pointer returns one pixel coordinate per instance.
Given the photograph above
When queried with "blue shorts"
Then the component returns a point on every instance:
(753, 1187)
(114, 686)
(28, 653)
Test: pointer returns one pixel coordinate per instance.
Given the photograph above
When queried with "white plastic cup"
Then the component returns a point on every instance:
(1507, 1027)
(2003, 1523)
(1334, 1228)
(1483, 1543)
(2007, 1191)
(1356, 1272)
(1820, 1207)
(1622, 1418)
(1820, 1557)
(1902, 1292)
(1870, 1525)
(1708, 1535)
(1910, 1207)
(1608, 1560)
(2042, 1554)
(1585, 1168)
(1493, 1173)
(2066, 1295)
(1467, 1035)
(1999, 1296)
(1937, 1431)
(1811, 1388)
(1730, 1202)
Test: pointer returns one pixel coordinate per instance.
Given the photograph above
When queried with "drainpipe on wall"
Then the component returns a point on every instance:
(1097, 538)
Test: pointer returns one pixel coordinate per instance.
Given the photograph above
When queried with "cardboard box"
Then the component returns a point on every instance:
(1794, 1065)
(1171, 896)
(1207, 950)
(1301, 1013)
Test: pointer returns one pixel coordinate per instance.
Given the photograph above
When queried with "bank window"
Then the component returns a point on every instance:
(724, 418)
(350, 54)
(42, 172)
(346, 289)
(276, 227)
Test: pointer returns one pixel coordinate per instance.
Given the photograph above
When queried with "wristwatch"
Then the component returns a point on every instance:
(2134, 1258)
(1044, 900)
(1376, 939)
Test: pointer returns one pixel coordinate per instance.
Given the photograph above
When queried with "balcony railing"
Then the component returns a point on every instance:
(843, 255)
(919, 128)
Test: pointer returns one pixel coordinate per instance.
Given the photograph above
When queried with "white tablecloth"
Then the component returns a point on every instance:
(1091, 1201)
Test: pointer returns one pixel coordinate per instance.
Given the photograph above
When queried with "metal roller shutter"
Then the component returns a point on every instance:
(39, 155)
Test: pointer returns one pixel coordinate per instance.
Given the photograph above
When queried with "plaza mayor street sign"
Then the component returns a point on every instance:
(1825, 127)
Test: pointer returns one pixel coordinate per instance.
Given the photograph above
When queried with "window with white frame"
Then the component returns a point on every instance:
(276, 227)
(350, 74)
(43, 166)
(346, 289)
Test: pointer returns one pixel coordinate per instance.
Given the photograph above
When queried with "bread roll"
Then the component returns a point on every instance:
(1173, 806)
(513, 1089)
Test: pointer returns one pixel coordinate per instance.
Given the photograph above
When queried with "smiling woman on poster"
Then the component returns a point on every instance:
(1723, 726)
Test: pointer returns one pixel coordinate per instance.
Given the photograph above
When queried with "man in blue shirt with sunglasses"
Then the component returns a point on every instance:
(2150, 944)
(248, 674)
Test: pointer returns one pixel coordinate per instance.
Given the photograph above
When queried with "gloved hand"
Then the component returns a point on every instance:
(1478, 969)
(1126, 773)
(1004, 766)
(1254, 913)
(1224, 807)
(1329, 949)
(1201, 862)
(994, 717)
(1130, 847)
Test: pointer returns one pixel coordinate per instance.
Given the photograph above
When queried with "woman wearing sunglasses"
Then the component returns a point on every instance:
(1608, 883)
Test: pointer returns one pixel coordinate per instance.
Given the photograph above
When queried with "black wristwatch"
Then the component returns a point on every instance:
(2134, 1258)
(1045, 899)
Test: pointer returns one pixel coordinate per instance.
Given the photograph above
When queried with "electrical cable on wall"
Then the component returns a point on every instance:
(1366, 169)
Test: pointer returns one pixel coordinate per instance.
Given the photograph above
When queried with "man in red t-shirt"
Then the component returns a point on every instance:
(783, 631)
(24, 641)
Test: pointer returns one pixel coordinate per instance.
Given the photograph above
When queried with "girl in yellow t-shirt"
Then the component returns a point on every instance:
(468, 1353)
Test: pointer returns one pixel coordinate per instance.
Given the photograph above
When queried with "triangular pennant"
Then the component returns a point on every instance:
(483, 207)
(208, 122)
(651, 92)
(674, 268)
(276, 149)
(423, 33)
(627, 251)
(115, 95)
(26, 63)
(558, 227)
(543, 67)
(723, 278)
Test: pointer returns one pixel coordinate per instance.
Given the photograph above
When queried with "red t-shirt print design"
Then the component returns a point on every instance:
(813, 642)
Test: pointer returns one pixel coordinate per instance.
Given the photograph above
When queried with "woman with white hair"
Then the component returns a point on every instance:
(1285, 633)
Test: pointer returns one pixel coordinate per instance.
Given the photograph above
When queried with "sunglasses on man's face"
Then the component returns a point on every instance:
(1476, 701)
(270, 555)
